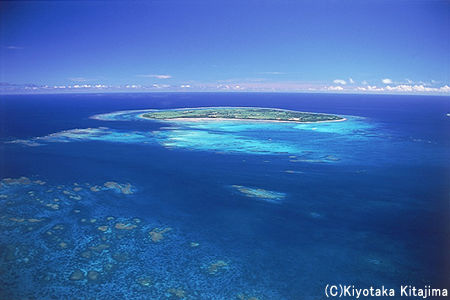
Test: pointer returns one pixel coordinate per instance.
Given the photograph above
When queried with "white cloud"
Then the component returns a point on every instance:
(161, 86)
(340, 81)
(351, 80)
(335, 88)
(364, 82)
(132, 86)
(387, 81)
(374, 88)
(400, 88)
(406, 88)
(235, 86)
(158, 76)
(445, 89)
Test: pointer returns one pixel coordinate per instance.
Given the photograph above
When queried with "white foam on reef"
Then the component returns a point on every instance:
(123, 115)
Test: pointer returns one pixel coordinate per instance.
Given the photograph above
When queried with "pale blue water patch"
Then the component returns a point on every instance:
(179, 138)
(102, 134)
(325, 142)
(314, 142)
(352, 126)
(223, 142)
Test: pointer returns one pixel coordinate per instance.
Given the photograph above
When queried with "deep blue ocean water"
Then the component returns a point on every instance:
(245, 209)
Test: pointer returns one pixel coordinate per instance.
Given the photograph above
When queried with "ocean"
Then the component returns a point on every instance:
(97, 203)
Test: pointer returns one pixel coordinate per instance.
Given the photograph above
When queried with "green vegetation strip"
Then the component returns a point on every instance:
(266, 114)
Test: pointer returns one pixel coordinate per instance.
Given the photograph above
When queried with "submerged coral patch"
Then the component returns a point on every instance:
(177, 292)
(76, 248)
(126, 189)
(157, 234)
(77, 275)
(100, 134)
(122, 226)
(262, 194)
(241, 296)
(17, 181)
(102, 228)
(216, 266)
(145, 281)
(93, 275)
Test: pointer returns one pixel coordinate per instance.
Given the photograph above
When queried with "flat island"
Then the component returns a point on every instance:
(240, 113)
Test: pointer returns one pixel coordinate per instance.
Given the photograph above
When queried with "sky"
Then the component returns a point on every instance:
(349, 46)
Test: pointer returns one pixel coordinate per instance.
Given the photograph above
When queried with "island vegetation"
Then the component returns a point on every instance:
(241, 113)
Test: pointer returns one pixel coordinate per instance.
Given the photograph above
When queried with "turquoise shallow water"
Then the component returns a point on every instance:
(248, 137)
(115, 206)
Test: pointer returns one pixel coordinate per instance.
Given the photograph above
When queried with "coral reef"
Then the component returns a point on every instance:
(144, 281)
(93, 275)
(241, 296)
(216, 266)
(266, 195)
(77, 275)
(122, 226)
(103, 228)
(157, 234)
(83, 250)
(126, 189)
(177, 292)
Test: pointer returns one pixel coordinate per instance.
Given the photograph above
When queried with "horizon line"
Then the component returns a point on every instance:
(226, 92)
